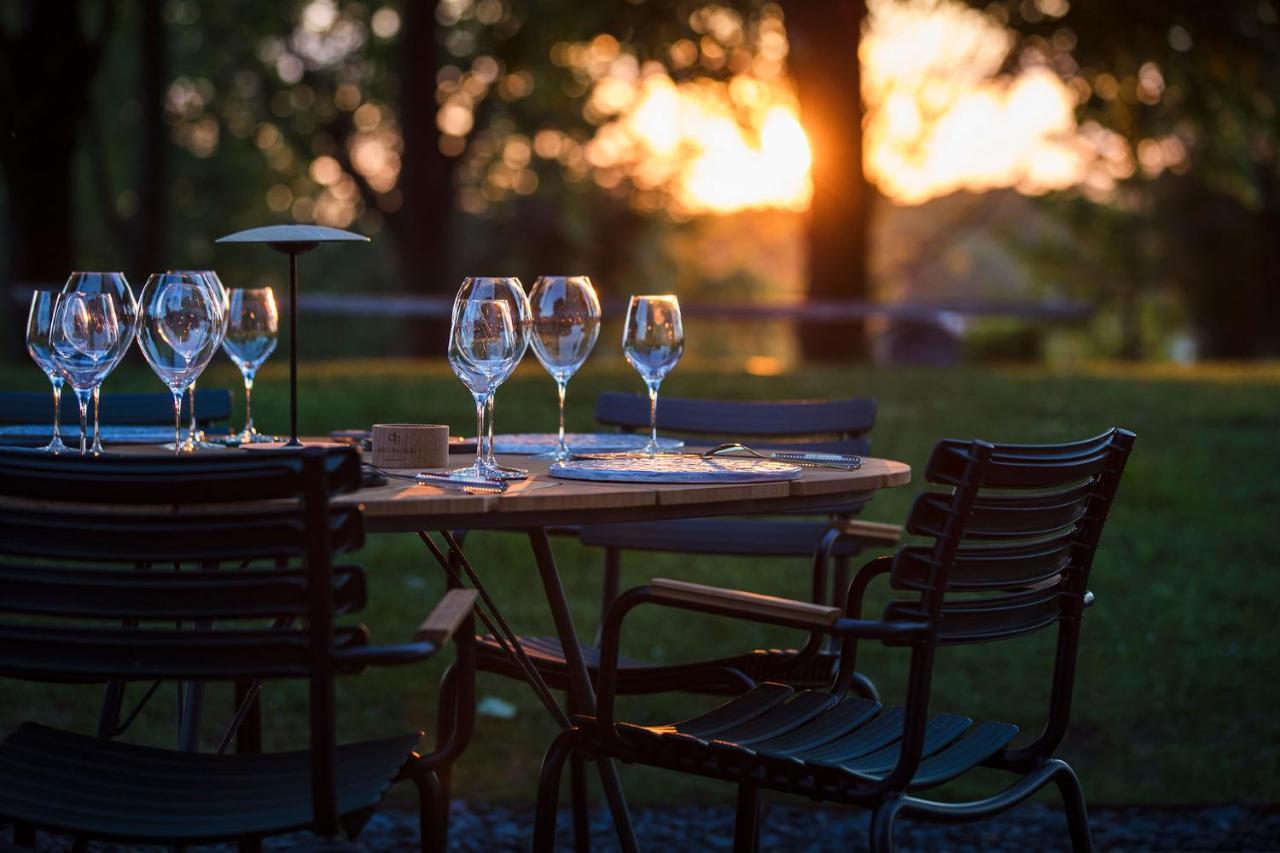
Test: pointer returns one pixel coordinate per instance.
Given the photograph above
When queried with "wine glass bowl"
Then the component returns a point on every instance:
(253, 323)
(113, 284)
(178, 334)
(83, 334)
(566, 325)
(653, 342)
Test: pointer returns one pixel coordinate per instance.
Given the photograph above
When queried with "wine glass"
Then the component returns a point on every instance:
(178, 335)
(39, 324)
(482, 342)
(252, 325)
(218, 294)
(566, 323)
(653, 341)
(509, 290)
(116, 285)
(82, 337)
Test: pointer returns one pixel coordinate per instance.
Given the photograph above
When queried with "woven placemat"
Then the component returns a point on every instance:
(672, 468)
(533, 443)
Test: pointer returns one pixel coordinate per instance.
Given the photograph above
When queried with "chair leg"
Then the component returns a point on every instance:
(433, 812)
(881, 840)
(578, 794)
(1074, 804)
(746, 827)
(544, 819)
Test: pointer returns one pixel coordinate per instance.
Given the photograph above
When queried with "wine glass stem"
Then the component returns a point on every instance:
(177, 421)
(97, 403)
(561, 388)
(56, 381)
(248, 403)
(480, 406)
(488, 451)
(653, 417)
(192, 429)
(82, 399)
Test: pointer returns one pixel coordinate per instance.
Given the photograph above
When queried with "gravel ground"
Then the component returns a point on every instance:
(793, 828)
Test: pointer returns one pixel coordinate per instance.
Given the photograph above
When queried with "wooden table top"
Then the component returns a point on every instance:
(543, 500)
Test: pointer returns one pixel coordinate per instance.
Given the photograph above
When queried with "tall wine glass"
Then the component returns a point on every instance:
(566, 324)
(482, 342)
(653, 341)
(507, 289)
(113, 284)
(39, 324)
(82, 337)
(178, 335)
(218, 294)
(252, 325)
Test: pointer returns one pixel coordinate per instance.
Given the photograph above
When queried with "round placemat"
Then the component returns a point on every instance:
(534, 443)
(673, 468)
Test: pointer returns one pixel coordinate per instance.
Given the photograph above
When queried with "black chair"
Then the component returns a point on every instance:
(1013, 545)
(836, 426)
(101, 558)
(213, 409)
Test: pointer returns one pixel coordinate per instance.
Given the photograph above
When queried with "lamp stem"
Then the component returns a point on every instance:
(293, 351)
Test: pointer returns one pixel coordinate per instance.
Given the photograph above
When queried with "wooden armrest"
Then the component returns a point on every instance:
(446, 617)
(870, 531)
(747, 603)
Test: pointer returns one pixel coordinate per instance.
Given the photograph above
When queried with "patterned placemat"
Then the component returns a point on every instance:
(113, 434)
(673, 468)
(533, 443)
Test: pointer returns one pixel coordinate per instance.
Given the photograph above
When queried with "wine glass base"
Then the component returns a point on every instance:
(55, 446)
(494, 471)
(471, 472)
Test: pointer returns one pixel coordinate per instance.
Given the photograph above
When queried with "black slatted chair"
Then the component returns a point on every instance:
(213, 409)
(1014, 535)
(835, 426)
(101, 558)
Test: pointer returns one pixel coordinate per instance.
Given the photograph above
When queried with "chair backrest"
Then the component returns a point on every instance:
(838, 426)
(99, 558)
(1013, 543)
(213, 405)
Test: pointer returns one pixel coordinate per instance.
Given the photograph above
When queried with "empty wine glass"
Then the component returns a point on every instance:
(482, 341)
(39, 324)
(653, 341)
(178, 334)
(82, 337)
(507, 289)
(113, 284)
(566, 323)
(218, 295)
(252, 325)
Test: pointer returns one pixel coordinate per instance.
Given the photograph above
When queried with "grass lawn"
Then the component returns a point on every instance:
(1176, 694)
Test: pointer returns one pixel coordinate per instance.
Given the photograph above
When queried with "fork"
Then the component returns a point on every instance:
(445, 481)
(838, 461)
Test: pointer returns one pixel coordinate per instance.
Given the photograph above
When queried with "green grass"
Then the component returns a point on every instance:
(1176, 693)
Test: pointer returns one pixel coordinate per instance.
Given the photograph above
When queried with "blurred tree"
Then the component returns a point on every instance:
(1193, 90)
(49, 54)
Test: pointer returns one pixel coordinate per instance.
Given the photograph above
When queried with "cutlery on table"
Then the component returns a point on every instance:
(473, 485)
(805, 459)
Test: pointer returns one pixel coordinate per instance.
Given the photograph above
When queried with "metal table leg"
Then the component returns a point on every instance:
(584, 694)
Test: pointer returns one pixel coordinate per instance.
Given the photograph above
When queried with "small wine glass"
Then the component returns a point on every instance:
(507, 289)
(252, 325)
(83, 335)
(178, 335)
(39, 324)
(566, 324)
(218, 294)
(482, 341)
(116, 285)
(653, 341)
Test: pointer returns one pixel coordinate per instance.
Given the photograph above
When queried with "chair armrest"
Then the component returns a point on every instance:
(447, 616)
(746, 604)
(872, 532)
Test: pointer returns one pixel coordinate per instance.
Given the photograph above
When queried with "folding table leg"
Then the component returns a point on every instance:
(583, 693)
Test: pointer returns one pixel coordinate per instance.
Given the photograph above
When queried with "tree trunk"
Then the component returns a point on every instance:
(824, 36)
(421, 225)
(149, 249)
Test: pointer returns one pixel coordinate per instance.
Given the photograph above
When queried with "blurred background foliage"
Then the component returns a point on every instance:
(1121, 155)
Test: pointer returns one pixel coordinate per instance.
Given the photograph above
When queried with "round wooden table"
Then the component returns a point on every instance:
(533, 505)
